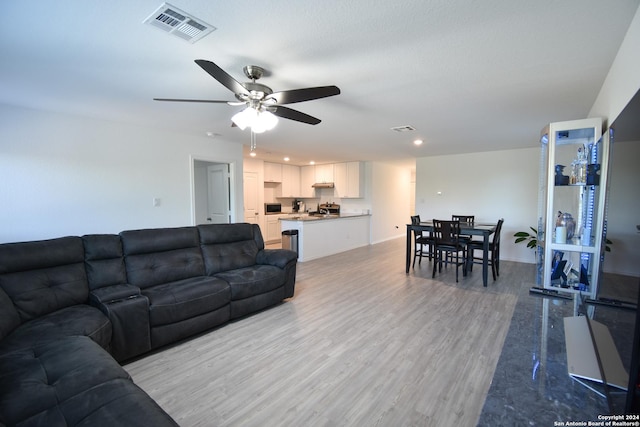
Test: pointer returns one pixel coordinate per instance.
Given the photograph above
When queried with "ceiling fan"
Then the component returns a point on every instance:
(262, 103)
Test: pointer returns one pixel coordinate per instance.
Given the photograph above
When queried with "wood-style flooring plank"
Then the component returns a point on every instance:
(360, 344)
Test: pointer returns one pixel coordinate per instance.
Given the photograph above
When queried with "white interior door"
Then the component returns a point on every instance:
(250, 186)
(218, 180)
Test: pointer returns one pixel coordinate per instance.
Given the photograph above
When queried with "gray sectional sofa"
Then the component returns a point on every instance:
(72, 308)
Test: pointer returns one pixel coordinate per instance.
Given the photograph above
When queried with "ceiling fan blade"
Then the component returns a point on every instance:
(288, 113)
(307, 94)
(214, 101)
(220, 75)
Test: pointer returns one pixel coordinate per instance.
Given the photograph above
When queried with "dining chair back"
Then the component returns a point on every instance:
(448, 246)
(420, 240)
(494, 251)
(465, 220)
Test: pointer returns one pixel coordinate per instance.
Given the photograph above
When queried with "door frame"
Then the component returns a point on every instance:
(232, 184)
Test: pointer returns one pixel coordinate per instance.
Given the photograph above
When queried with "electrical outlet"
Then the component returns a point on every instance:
(156, 202)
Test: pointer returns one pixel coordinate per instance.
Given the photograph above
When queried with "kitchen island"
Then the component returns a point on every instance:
(319, 236)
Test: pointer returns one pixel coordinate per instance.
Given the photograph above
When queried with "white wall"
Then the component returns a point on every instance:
(620, 86)
(623, 80)
(489, 185)
(390, 194)
(66, 175)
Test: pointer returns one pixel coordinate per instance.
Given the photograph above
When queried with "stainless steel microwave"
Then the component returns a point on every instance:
(272, 208)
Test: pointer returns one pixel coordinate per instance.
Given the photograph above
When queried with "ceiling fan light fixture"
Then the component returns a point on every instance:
(244, 118)
(267, 119)
(258, 121)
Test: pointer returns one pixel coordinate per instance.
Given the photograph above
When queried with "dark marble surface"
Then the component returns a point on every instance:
(531, 385)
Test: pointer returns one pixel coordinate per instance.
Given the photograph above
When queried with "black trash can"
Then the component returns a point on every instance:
(290, 240)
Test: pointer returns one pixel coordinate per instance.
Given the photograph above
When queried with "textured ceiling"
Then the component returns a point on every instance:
(467, 75)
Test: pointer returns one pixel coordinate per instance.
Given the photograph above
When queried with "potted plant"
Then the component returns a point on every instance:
(531, 239)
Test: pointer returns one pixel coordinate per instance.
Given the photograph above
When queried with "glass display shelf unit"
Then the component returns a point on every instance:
(571, 208)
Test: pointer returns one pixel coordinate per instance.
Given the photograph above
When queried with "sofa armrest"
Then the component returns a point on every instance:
(276, 257)
(128, 312)
(112, 293)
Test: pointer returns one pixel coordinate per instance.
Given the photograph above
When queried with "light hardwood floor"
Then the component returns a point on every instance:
(360, 344)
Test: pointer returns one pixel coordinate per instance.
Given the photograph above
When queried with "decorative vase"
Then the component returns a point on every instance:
(566, 220)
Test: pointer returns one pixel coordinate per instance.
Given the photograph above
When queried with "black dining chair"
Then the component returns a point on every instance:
(494, 251)
(448, 246)
(420, 240)
(468, 219)
(465, 220)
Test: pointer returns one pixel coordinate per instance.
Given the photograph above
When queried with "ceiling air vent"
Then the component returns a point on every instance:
(405, 128)
(174, 21)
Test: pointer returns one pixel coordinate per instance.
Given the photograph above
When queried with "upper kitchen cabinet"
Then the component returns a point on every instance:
(290, 181)
(272, 172)
(324, 173)
(307, 179)
(349, 180)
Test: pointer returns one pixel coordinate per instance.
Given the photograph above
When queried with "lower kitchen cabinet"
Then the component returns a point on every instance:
(273, 228)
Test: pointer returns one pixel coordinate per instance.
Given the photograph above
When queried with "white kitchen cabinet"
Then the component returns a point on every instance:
(272, 172)
(307, 179)
(273, 228)
(290, 181)
(324, 173)
(349, 180)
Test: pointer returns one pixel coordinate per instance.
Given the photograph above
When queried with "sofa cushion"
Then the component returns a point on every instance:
(36, 379)
(80, 320)
(104, 260)
(117, 402)
(228, 246)
(9, 317)
(156, 256)
(184, 299)
(251, 281)
(43, 276)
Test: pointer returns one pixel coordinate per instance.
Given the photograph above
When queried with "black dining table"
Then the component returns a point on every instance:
(478, 229)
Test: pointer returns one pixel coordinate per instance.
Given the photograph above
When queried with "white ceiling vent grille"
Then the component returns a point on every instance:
(174, 21)
(405, 128)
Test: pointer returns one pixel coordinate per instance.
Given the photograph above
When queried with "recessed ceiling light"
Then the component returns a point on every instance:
(312, 162)
(286, 159)
(252, 154)
(418, 142)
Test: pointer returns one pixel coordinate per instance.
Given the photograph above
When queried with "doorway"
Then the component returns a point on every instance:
(212, 195)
